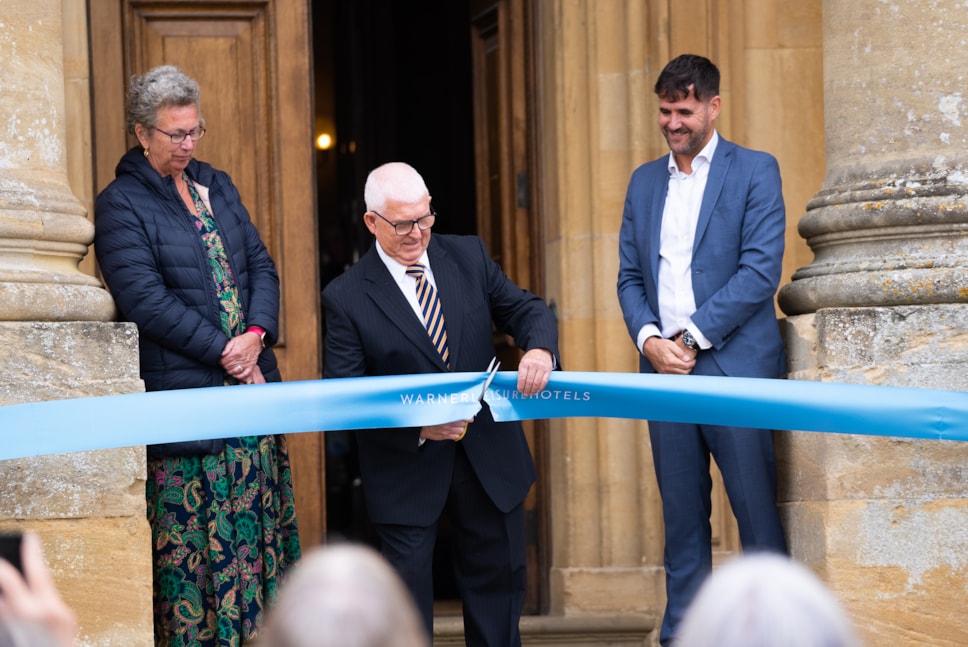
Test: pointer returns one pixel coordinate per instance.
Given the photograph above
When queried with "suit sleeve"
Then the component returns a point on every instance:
(343, 349)
(633, 287)
(518, 312)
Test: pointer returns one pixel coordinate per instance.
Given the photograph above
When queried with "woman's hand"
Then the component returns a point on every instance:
(256, 377)
(239, 358)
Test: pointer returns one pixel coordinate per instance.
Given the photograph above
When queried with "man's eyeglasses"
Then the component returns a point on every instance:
(177, 138)
(423, 223)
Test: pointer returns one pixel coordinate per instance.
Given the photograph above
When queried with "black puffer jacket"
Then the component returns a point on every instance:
(154, 263)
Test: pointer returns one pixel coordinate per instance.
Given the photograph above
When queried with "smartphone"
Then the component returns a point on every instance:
(10, 548)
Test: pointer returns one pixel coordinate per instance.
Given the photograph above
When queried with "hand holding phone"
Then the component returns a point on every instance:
(10, 543)
(30, 595)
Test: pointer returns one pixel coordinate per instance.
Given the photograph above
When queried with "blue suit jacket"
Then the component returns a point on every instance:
(372, 330)
(736, 263)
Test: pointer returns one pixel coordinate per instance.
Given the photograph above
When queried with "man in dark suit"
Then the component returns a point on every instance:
(375, 325)
(701, 247)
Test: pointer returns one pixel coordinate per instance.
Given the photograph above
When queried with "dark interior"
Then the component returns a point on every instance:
(393, 82)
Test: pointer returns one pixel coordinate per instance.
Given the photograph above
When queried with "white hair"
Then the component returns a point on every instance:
(344, 595)
(765, 600)
(395, 181)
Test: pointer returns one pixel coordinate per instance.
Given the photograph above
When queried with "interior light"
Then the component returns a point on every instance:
(324, 142)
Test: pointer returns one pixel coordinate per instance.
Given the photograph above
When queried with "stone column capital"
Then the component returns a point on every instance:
(889, 226)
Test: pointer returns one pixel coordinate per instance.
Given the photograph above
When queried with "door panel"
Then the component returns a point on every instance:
(252, 61)
(506, 211)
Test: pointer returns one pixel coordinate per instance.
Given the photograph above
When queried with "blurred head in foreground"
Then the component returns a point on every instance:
(765, 600)
(344, 595)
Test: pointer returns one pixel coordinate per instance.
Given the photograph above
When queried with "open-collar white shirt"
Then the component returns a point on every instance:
(680, 217)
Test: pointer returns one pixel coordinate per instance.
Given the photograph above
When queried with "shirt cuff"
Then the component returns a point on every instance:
(648, 330)
(704, 344)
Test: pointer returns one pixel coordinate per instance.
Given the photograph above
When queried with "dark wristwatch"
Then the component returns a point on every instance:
(689, 341)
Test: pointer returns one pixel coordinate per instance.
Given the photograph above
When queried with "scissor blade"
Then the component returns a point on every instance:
(492, 369)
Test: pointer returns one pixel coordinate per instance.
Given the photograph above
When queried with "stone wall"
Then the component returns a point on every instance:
(87, 507)
(884, 521)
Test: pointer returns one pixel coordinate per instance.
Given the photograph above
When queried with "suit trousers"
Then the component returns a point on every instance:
(489, 560)
(681, 453)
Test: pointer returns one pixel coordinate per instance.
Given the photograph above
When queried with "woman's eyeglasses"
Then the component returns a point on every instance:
(177, 138)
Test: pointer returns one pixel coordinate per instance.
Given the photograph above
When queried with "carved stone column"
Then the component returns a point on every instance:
(885, 301)
(890, 224)
(43, 229)
(57, 339)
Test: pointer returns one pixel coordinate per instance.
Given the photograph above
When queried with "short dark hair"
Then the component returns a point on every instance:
(685, 71)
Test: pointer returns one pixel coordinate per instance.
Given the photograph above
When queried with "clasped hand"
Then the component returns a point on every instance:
(669, 356)
(240, 358)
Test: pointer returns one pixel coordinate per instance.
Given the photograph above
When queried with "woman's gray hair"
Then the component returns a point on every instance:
(396, 181)
(344, 595)
(763, 600)
(161, 87)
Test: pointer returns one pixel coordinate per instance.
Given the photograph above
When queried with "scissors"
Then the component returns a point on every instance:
(492, 369)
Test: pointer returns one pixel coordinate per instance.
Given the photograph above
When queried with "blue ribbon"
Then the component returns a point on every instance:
(416, 400)
(745, 402)
(106, 422)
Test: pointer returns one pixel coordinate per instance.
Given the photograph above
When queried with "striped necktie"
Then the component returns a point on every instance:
(430, 307)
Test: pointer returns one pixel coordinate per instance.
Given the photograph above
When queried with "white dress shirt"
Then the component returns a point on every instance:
(680, 216)
(407, 284)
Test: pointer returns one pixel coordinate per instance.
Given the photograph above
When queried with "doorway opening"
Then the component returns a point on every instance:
(392, 83)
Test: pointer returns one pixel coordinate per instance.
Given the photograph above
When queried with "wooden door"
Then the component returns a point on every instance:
(503, 76)
(252, 61)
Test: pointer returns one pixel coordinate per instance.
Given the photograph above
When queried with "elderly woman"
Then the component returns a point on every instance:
(184, 262)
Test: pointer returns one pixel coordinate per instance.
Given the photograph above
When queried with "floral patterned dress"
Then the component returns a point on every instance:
(223, 526)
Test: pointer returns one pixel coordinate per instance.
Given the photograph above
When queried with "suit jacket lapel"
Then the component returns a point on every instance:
(386, 295)
(655, 222)
(718, 168)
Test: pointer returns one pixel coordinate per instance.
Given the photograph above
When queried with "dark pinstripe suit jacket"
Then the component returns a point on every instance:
(372, 330)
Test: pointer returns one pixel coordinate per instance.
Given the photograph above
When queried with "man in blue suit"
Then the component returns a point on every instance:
(411, 476)
(701, 247)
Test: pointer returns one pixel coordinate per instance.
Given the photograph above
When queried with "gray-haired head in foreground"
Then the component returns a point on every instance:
(393, 181)
(344, 595)
(765, 600)
(161, 87)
